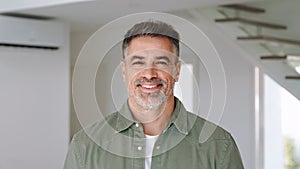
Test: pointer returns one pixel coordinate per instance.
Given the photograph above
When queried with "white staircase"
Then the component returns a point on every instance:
(269, 32)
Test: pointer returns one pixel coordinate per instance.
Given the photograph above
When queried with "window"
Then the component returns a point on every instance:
(281, 125)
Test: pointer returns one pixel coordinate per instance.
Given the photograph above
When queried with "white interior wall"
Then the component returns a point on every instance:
(238, 116)
(34, 99)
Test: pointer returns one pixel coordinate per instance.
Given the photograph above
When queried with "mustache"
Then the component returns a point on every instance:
(152, 80)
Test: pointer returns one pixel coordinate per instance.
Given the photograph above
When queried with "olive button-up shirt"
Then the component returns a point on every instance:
(118, 142)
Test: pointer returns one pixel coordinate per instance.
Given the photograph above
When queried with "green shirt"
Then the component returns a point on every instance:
(118, 142)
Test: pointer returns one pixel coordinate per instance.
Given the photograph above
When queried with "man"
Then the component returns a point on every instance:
(153, 129)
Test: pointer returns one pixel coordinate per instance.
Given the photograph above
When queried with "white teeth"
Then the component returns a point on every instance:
(149, 86)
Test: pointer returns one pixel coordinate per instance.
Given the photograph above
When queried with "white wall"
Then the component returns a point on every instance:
(34, 111)
(238, 117)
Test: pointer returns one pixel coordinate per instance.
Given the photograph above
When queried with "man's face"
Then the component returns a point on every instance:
(150, 71)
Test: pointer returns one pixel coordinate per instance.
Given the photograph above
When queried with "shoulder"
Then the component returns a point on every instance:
(217, 142)
(94, 132)
(204, 131)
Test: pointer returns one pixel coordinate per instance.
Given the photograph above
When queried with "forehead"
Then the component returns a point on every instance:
(148, 43)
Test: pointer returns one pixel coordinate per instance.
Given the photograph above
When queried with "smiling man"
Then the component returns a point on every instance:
(150, 70)
(153, 129)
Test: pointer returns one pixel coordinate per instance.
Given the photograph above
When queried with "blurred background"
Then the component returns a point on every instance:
(257, 41)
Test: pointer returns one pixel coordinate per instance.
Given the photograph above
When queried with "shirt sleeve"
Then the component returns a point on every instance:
(73, 159)
(232, 158)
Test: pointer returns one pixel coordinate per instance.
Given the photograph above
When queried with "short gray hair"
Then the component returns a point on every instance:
(153, 29)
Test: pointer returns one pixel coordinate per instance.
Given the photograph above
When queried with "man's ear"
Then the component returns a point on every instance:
(122, 62)
(177, 71)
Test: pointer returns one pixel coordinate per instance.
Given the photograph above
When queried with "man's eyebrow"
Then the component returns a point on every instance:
(137, 57)
(162, 58)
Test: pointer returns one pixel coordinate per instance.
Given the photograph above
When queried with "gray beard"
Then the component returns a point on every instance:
(154, 101)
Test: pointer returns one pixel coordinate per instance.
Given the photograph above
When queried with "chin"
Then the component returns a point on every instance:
(151, 101)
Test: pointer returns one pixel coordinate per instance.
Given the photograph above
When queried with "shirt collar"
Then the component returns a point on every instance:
(124, 118)
(179, 118)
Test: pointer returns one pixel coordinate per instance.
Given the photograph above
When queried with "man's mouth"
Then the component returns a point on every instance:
(152, 86)
(149, 86)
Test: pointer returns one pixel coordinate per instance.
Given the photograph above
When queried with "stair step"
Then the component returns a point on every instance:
(252, 22)
(292, 77)
(270, 38)
(273, 57)
(245, 8)
(288, 57)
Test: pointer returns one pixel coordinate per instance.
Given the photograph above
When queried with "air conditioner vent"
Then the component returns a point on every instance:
(27, 16)
(30, 46)
(31, 33)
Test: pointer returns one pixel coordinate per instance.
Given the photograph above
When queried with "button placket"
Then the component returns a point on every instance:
(138, 140)
(138, 146)
(157, 146)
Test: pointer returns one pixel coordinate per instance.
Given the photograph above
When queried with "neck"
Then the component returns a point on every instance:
(153, 121)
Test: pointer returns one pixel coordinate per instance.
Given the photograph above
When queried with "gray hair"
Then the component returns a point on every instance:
(152, 29)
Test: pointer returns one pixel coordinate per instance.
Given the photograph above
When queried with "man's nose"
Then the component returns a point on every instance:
(149, 73)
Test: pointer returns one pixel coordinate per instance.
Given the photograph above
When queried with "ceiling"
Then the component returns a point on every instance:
(90, 15)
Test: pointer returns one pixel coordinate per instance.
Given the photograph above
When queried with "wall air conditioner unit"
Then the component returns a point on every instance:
(31, 33)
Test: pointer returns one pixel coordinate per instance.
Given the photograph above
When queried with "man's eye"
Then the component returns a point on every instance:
(137, 63)
(161, 63)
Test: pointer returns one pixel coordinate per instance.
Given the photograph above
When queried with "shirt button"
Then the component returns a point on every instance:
(137, 125)
(157, 147)
(139, 148)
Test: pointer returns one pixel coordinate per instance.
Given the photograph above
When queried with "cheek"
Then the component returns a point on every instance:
(130, 80)
(168, 79)
(171, 73)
